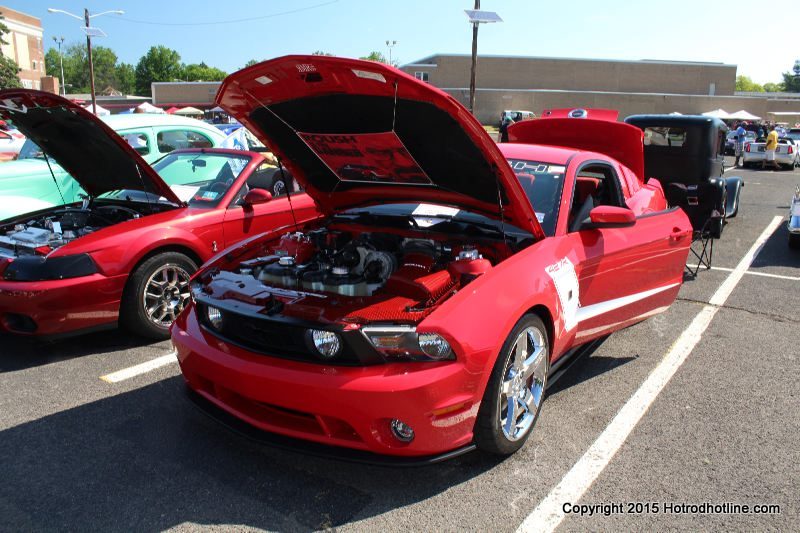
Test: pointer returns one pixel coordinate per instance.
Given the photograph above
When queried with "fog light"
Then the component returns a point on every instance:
(326, 342)
(401, 430)
(435, 346)
(214, 316)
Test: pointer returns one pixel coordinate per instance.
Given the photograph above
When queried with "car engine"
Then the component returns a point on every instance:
(362, 264)
(45, 233)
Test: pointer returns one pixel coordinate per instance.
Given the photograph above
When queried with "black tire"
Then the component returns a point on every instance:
(490, 436)
(794, 241)
(133, 313)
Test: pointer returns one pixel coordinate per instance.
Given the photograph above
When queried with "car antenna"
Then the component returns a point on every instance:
(288, 194)
(47, 160)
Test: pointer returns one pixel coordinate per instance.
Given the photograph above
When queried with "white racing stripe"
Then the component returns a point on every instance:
(149, 366)
(549, 513)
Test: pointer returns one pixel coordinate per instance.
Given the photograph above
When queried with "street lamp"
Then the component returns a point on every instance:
(476, 17)
(59, 41)
(390, 45)
(90, 32)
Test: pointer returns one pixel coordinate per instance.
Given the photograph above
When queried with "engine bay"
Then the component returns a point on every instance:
(41, 234)
(334, 275)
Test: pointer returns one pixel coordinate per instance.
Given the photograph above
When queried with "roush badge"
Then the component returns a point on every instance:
(578, 113)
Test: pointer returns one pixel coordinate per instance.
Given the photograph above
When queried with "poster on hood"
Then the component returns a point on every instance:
(367, 157)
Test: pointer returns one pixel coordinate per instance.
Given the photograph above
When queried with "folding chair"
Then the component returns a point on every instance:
(698, 202)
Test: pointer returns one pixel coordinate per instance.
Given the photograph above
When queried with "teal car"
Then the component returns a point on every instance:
(27, 184)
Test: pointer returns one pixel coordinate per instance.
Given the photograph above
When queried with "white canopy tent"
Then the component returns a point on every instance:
(147, 107)
(717, 113)
(743, 115)
(188, 111)
(101, 111)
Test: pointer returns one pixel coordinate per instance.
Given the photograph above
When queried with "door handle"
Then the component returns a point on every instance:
(677, 235)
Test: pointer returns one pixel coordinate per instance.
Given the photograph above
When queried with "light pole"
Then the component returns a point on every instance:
(89, 31)
(59, 41)
(476, 17)
(390, 45)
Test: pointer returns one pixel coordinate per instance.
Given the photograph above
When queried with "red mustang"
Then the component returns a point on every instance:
(127, 251)
(449, 279)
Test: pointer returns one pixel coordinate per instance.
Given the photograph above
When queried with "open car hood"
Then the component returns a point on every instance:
(617, 140)
(93, 154)
(358, 132)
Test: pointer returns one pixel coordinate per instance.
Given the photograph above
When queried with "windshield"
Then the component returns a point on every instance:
(30, 150)
(199, 178)
(542, 183)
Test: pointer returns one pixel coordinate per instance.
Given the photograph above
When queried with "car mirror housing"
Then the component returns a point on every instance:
(256, 196)
(609, 216)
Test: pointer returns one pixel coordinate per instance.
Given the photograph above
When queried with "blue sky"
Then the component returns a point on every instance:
(696, 30)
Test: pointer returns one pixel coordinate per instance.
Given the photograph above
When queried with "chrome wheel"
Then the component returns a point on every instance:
(523, 384)
(166, 293)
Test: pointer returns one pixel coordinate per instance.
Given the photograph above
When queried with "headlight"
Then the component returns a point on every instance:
(403, 342)
(214, 317)
(326, 343)
(37, 268)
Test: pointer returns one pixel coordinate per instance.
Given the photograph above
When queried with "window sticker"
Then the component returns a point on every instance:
(566, 282)
(367, 157)
(540, 217)
(206, 196)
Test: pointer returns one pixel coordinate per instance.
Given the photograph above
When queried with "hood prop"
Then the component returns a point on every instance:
(500, 206)
(52, 175)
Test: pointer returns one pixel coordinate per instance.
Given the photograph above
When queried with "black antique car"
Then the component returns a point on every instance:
(689, 150)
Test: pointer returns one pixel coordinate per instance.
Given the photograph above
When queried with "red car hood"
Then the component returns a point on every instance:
(93, 154)
(617, 140)
(359, 132)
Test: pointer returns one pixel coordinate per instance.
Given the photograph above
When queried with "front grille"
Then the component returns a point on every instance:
(284, 339)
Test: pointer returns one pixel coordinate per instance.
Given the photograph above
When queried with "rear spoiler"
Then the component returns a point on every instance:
(610, 115)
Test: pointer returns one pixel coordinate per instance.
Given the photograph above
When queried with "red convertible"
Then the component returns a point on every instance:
(127, 251)
(449, 280)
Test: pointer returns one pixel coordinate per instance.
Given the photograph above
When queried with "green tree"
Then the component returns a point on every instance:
(773, 87)
(159, 64)
(321, 53)
(202, 72)
(3, 30)
(9, 74)
(125, 78)
(9, 70)
(745, 84)
(791, 84)
(376, 56)
(251, 63)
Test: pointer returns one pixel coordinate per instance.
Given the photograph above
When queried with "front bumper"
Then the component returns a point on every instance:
(58, 307)
(350, 407)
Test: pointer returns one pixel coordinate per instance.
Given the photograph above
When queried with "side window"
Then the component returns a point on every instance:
(138, 140)
(595, 184)
(175, 139)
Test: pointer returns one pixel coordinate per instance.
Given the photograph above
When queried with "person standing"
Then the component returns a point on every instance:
(738, 143)
(504, 129)
(769, 149)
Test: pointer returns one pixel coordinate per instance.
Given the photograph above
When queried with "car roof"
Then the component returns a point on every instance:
(142, 120)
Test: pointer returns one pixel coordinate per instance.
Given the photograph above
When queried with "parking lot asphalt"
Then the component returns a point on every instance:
(80, 453)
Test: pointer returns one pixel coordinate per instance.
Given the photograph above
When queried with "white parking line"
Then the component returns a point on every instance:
(751, 273)
(549, 513)
(143, 368)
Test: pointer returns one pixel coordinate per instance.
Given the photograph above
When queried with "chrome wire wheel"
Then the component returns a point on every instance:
(166, 293)
(524, 380)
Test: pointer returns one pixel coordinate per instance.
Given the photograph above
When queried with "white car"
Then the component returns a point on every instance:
(786, 155)
(11, 142)
(794, 221)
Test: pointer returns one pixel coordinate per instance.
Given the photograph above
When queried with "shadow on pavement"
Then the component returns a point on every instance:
(149, 460)
(19, 353)
(776, 251)
(585, 369)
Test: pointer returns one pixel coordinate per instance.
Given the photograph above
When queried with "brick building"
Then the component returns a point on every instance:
(24, 46)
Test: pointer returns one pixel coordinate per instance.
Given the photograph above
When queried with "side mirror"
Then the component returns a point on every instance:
(609, 216)
(255, 197)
